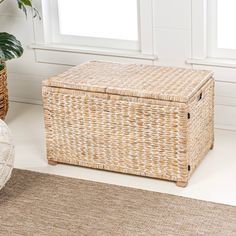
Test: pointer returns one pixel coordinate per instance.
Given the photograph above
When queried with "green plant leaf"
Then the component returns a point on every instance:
(22, 7)
(26, 2)
(23, 4)
(10, 47)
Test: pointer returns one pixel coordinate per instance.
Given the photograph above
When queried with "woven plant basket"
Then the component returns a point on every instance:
(138, 119)
(6, 154)
(3, 93)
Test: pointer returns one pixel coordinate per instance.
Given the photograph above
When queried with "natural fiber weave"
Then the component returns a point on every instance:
(3, 94)
(133, 123)
(6, 154)
(36, 204)
(146, 81)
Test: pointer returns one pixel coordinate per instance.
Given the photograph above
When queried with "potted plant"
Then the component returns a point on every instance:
(10, 48)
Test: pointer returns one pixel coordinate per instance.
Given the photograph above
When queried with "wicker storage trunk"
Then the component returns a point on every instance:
(137, 119)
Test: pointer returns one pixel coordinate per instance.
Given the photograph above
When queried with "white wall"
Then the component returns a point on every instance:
(172, 34)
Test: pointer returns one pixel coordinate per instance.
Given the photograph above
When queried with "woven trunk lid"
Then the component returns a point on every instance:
(146, 81)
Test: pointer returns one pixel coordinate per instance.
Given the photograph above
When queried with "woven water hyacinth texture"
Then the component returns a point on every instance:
(146, 81)
(3, 94)
(6, 154)
(137, 119)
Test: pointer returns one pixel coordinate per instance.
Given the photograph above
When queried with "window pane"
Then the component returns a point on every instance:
(112, 19)
(226, 27)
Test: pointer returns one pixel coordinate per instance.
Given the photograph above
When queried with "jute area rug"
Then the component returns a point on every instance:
(41, 204)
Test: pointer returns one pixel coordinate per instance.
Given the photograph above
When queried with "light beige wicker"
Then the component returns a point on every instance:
(6, 154)
(3, 94)
(137, 119)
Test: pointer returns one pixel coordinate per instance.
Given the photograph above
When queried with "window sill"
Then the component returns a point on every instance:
(213, 62)
(93, 51)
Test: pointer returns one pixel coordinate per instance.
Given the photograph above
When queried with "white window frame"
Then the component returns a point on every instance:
(88, 41)
(199, 29)
(204, 47)
(213, 50)
(44, 36)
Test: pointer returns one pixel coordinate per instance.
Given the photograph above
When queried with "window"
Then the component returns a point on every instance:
(99, 19)
(222, 29)
(114, 24)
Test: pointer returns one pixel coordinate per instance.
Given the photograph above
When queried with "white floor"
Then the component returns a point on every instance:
(214, 180)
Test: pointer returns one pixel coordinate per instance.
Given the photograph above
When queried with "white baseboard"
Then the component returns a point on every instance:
(225, 117)
(25, 100)
(225, 127)
(24, 87)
